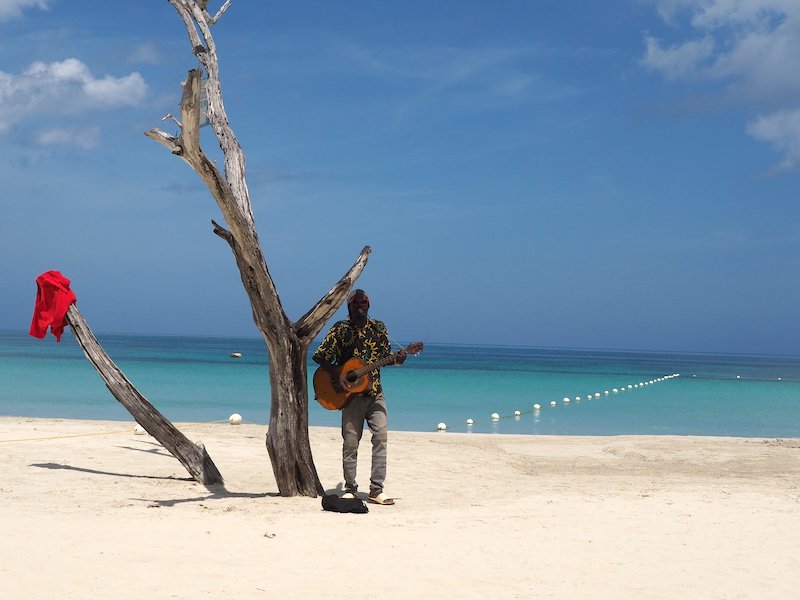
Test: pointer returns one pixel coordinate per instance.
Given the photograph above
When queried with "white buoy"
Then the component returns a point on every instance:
(536, 407)
(553, 403)
(235, 419)
(589, 397)
(139, 430)
(441, 426)
(630, 386)
(577, 398)
(597, 394)
(615, 390)
(470, 421)
(738, 377)
(517, 413)
(566, 400)
(495, 416)
(606, 392)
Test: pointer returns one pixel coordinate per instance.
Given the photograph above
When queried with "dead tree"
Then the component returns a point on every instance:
(193, 457)
(287, 342)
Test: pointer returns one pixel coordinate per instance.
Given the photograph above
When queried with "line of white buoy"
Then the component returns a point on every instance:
(536, 408)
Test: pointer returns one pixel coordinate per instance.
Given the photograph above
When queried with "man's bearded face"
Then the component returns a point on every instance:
(358, 305)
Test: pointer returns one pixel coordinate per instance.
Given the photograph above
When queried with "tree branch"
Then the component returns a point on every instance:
(185, 12)
(192, 456)
(222, 232)
(310, 324)
(230, 191)
(217, 117)
(171, 143)
(172, 117)
(190, 115)
(213, 20)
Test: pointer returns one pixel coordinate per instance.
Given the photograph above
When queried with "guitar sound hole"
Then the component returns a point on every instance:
(351, 377)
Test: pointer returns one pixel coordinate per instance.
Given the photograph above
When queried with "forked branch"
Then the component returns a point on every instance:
(310, 324)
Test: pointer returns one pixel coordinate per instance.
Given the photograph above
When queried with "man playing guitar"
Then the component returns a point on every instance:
(366, 339)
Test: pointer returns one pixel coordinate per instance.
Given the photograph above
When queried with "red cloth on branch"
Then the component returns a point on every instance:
(53, 299)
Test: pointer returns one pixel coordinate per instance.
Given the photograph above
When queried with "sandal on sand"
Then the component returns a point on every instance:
(380, 498)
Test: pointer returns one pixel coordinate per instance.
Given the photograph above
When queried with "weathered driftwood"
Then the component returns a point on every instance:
(287, 342)
(192, 456)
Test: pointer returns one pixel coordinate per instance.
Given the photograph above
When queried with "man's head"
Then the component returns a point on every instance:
(358, 304)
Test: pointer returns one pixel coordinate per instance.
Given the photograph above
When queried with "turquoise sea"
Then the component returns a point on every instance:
(196, 379)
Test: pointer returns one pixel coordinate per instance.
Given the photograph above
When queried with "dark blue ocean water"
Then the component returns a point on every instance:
(195, 379)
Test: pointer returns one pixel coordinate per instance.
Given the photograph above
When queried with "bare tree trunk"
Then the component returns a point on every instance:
(289, 449)
(192, 456)
(287, 343)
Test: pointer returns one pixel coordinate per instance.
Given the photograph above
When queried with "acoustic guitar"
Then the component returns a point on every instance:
(354, 377)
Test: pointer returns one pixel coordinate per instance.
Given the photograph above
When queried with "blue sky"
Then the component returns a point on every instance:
(617, 174)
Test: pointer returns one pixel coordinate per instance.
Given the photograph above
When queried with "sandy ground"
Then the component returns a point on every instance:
(112, 515)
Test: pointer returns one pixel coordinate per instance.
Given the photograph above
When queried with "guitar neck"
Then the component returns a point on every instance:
(388, 360)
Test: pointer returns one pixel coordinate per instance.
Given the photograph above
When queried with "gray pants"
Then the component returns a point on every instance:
(357, 410)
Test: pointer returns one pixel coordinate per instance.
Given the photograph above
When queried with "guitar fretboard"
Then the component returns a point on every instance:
(376, 364)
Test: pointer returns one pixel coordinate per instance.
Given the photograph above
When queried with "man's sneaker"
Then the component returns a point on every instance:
(348, 495)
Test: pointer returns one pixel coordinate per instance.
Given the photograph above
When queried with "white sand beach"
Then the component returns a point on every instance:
(477, 516)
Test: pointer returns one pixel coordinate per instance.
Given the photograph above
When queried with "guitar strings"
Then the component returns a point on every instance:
(394, 341)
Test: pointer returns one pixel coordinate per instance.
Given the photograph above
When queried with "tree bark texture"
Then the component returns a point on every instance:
(192, 456)
(287, 342)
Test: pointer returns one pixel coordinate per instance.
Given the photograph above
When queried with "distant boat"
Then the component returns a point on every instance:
(236, 355)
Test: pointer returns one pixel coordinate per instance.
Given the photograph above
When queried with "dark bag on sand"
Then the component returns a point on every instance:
(333, 503)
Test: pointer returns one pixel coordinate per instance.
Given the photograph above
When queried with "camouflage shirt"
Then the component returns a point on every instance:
(345, 341)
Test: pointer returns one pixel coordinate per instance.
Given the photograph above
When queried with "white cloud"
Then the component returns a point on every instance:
(82, 138)
(116, 91)
(750, 47)
(718, 13)
(712, 13)
(782, 130)
(678, 62)
(10, 9)
(63, 88)
(668, 9)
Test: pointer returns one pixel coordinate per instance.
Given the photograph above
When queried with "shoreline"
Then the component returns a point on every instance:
(108, 513)
(123, 423)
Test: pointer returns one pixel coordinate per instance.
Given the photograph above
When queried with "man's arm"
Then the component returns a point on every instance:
(332, 370)
(386, 347)
(325, 357)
